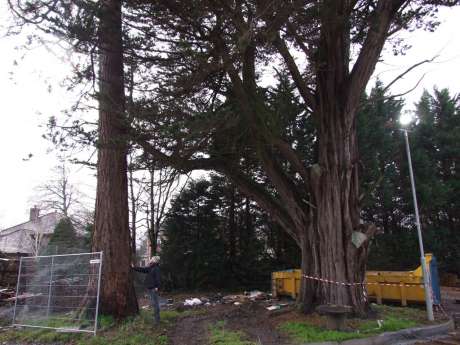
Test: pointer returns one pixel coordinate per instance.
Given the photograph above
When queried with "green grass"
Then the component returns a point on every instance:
(105, 321)
(390, 324)
(394, 319)
(415, 314)
(38, 336)
(303, 332)
(221, 336)
(138, 330)
(44, 335)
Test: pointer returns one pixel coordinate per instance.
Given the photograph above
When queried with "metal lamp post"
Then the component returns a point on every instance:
(405, 120)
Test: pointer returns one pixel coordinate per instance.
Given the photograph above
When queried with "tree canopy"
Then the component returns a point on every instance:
(198, 72)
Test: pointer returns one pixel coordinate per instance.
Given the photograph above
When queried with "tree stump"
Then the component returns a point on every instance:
(336, 315)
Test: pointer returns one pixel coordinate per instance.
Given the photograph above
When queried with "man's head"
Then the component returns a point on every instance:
(154, 260)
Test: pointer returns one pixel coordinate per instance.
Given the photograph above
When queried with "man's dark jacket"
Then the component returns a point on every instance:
(152, 277)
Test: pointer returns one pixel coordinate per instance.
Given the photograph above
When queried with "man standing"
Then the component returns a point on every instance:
(152, 283)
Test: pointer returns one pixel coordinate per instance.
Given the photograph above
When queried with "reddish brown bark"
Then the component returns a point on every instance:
(111, 233)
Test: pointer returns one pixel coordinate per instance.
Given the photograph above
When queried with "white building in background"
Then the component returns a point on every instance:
(29, 237)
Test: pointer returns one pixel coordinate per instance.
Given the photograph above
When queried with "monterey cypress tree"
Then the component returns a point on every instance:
(209, 112)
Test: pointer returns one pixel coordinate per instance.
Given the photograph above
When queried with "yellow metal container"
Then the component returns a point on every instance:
(403, 286)
(286, 283)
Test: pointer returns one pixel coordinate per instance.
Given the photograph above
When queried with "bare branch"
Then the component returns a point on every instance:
(400, 76)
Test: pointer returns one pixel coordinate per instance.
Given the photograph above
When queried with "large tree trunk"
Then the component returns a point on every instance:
(111, 233)
(327, 248)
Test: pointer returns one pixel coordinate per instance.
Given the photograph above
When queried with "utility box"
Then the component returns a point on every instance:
(401, 286)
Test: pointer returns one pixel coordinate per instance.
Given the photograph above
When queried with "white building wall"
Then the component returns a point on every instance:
(22, 238)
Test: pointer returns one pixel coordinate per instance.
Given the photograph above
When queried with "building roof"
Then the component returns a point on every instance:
(45, 223)
(27, 236)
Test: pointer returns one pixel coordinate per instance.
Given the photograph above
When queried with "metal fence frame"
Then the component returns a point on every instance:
(94, 331)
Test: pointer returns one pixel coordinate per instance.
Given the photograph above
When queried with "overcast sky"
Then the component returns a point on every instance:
(27, 102)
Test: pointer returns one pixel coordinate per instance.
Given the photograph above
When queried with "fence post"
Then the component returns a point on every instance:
(50, 286)
(98, 292)
(17, 290)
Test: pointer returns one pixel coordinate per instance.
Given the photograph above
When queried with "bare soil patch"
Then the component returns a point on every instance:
(250, 318)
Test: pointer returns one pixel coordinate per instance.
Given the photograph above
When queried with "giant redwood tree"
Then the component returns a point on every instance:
(94, 30)
(111, 229)
(205, 107)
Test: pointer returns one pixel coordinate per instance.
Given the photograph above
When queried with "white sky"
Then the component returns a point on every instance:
(26, 103)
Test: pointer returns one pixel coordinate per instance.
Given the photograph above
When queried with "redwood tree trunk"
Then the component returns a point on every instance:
(111, 233)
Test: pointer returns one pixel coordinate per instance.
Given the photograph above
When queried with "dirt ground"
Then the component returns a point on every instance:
(253, 319)
(250, 318)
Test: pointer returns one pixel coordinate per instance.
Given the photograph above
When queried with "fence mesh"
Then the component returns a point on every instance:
(59, 292)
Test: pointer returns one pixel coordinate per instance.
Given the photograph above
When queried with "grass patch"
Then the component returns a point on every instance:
(390, 319)
(138, 330)
(221, 336)
(416, 314)
(303, 332)
(390, 324)
(105, 321)
(33, 335)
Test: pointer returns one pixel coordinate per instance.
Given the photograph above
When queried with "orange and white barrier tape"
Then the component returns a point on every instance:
(361, 284)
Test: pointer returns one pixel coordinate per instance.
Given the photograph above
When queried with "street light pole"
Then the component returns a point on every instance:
(426, 277)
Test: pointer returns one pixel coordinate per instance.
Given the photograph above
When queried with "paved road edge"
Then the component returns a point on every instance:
(391, 338)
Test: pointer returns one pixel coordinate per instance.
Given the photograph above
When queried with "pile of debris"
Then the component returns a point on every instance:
(6, 295)
(9, 268)
(228, 299)
(237, 299)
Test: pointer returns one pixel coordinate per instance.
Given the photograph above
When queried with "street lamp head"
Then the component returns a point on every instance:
(406, 118)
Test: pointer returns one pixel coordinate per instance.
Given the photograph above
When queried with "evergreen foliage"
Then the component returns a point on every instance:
(64, 239)
(388, 201)
(215, 237)
(436, 159)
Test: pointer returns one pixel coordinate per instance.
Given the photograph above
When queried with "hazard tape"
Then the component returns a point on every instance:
(361, 284)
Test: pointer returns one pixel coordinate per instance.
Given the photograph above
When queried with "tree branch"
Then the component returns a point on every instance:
(407, 71)
(301, 85)
(246, 185)
(370, 51)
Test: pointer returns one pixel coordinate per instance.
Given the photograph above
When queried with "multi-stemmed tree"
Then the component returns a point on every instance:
(206, 61)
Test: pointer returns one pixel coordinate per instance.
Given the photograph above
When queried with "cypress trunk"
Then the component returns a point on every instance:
(327, 248)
